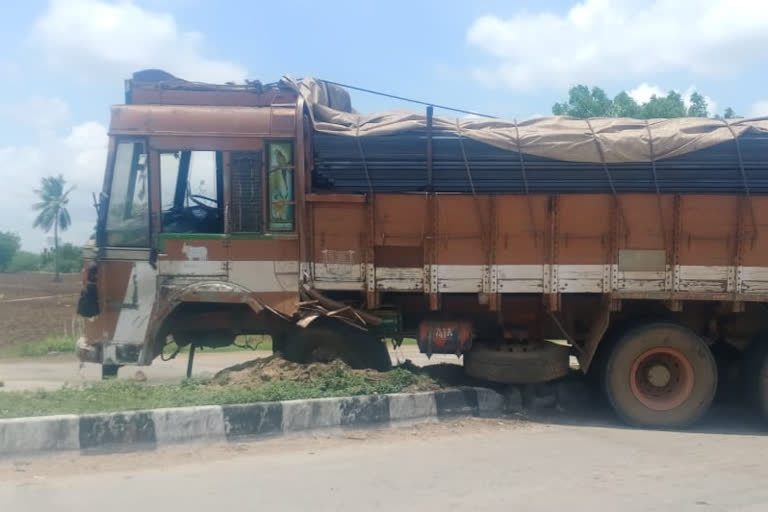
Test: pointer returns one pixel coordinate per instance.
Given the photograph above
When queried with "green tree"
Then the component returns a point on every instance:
(584, 102)
(24, 261)
(729, 113)
(53, 211)
(9, 245)
(698, 106)
(625, 106)
(560, 109)
(70, 258)
(670, 105)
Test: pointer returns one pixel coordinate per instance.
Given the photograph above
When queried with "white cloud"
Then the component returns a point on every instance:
(95, 39)
(643, 92)
(36, 111)
(79, 156)
(759, 109)
(601, 40)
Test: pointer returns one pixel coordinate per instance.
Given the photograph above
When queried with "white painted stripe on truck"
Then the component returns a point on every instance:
(265, 276)
(276, 276)
(338, 271)
(137, 304)
(120, 253)
(521, 278)
(699, 278)
(259, 276)
(580, 278)
(459, 278)
(753, 279)
(192, 268)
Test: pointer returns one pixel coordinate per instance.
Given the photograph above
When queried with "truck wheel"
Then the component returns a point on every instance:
(660, 376)
(517, 363)
(327, 339)
(109, 371)
(755, 369)
(278, 343)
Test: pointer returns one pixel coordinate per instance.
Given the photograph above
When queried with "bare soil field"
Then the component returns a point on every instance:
(34, 320)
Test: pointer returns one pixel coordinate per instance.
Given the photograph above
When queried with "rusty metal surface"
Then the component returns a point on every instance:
(157, 96)
(598, 328)
(315, 304)
(161, 88)
(202, 121)
(582, 230)
(112, 283)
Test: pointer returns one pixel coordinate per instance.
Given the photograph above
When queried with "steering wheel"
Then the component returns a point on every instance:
(199, 201)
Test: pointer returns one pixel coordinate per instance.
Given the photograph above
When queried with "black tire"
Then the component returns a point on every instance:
(109, 371)
(755, 368)
(510, 364)
(327, 339)
(278, 343)
(686, 375)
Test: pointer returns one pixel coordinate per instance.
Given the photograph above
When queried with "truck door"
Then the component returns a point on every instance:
(126, 278)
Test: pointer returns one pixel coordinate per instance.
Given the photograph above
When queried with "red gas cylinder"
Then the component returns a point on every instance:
(445, 336)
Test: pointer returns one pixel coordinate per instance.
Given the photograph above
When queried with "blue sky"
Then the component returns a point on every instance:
(62, 63)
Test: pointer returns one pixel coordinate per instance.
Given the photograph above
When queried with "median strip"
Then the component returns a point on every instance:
(150, 429)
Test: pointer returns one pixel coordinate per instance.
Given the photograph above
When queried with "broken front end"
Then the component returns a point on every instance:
(199, 229)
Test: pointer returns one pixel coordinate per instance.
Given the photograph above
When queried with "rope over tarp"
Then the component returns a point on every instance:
(561, 138)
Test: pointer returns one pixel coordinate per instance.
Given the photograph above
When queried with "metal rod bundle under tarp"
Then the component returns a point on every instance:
(398, 163)
(559, 154)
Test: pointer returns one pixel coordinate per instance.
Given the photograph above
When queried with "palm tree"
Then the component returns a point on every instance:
(53, 212)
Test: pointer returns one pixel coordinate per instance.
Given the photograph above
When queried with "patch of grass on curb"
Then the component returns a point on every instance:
(48, 346)
(112, 396)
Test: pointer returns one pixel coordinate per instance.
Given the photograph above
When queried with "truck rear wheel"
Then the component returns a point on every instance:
(328, 339)
(516, 362)
(756, 374)
(660, 376)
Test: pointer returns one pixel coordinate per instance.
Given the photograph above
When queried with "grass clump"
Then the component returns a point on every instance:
(48, 346)
(112, 396)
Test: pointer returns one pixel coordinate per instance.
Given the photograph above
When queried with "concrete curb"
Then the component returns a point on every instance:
(141, 430)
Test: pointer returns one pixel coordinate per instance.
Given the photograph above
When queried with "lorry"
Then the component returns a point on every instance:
(276, 209)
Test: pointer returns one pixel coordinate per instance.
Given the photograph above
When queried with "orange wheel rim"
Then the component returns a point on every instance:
(661, 378)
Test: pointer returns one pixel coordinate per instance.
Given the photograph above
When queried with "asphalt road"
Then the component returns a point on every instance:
(470, 464)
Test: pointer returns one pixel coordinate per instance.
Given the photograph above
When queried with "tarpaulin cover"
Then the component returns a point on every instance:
(621, 140)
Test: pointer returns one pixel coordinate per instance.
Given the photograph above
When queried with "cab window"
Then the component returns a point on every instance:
(127, 223)
(191, 191)
(282, 203)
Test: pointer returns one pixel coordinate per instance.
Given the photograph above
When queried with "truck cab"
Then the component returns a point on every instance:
(197, 235)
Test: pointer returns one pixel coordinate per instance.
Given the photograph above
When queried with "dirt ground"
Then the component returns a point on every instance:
(33, 320)
(274, 367)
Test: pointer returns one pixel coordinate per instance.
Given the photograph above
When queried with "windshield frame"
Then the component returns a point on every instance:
(106, 194)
